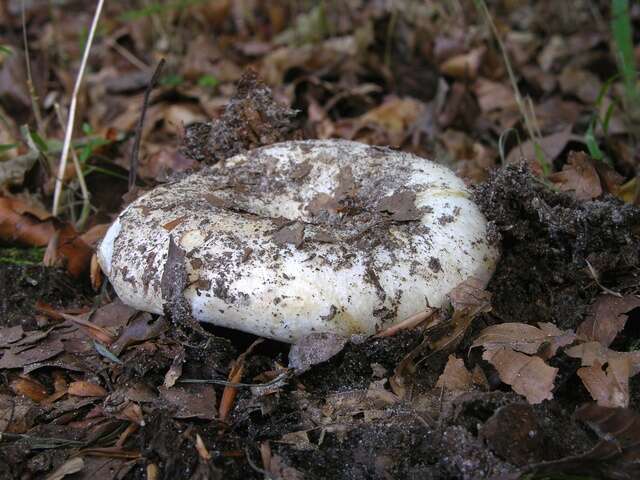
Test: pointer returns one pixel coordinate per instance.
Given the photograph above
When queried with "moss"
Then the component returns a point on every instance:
(21, 256)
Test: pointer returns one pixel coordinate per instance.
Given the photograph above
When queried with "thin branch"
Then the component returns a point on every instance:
(32, 90)
(135, 150)
(72, 109)
(86, 204)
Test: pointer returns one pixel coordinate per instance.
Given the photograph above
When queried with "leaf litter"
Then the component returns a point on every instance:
(485, 386)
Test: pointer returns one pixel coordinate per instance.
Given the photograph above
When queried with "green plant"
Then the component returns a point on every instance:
(208, 81)
(157, 8)
(171, 80)
(6, 50)
(623, 39)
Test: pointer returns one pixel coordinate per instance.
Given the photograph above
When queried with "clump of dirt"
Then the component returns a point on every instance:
(251, 119)
(22, 285)
(554, 247)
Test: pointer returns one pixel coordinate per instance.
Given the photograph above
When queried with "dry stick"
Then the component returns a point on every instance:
(86, 204)
(133, 168)
(32, 91)
(72, 110)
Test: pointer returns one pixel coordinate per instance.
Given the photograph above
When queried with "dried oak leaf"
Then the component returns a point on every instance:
(82, 388)
(525, 338)
(607, 317)
(464, 66)
(314, 349)
(551, 146)
(527, 375)
(580, 176)
(608, 387)
(591, 352)
(455, 376)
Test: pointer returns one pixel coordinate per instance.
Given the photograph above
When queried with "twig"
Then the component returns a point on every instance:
(408, 323)
(86, 204)
(72, 109)
(32, 91)
(135, 150)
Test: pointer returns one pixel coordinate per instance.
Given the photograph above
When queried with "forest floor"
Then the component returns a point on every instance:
(536, 105)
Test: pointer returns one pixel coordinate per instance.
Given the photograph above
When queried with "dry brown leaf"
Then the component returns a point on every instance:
(394, 117)
(551, 147)
(96, 332)
(591, 352)
(580, 83)
(610, 387)
(82, 388)
(30, 388)
(525, 338)
(465, 65)
(528, 375)
(455, 376)
(22, 224)
(579, 176)
(607, 317)
(71, 466)
(494, 96)
(19, 356)
(313, 349)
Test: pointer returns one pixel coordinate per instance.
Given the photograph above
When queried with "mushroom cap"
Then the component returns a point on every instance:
(303, 237)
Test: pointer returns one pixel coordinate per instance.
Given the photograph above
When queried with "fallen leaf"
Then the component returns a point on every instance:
(86, 389)
(71, 466)
(22, 224)
(464, 66)
(494, 95)
(18, 357)
(143, 327)
(175, 370)
(579, 176)
(524, 338)
(608, 387)
(591, 352)
(607, 317)
(528, 375)
(580, 83)
(9, 335)
(314, 349)
(393, 119)
(455, 376)
(30, 388)
(551, 147)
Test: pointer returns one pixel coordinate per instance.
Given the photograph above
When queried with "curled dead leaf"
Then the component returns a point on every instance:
(525, 338)
(527, 375)
(607, 317)
(82, 388)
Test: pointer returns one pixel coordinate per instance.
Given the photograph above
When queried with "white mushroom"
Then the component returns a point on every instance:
(303, 237)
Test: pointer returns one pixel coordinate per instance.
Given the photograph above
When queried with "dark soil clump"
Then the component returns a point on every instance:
(552, 246)
(22, 285)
